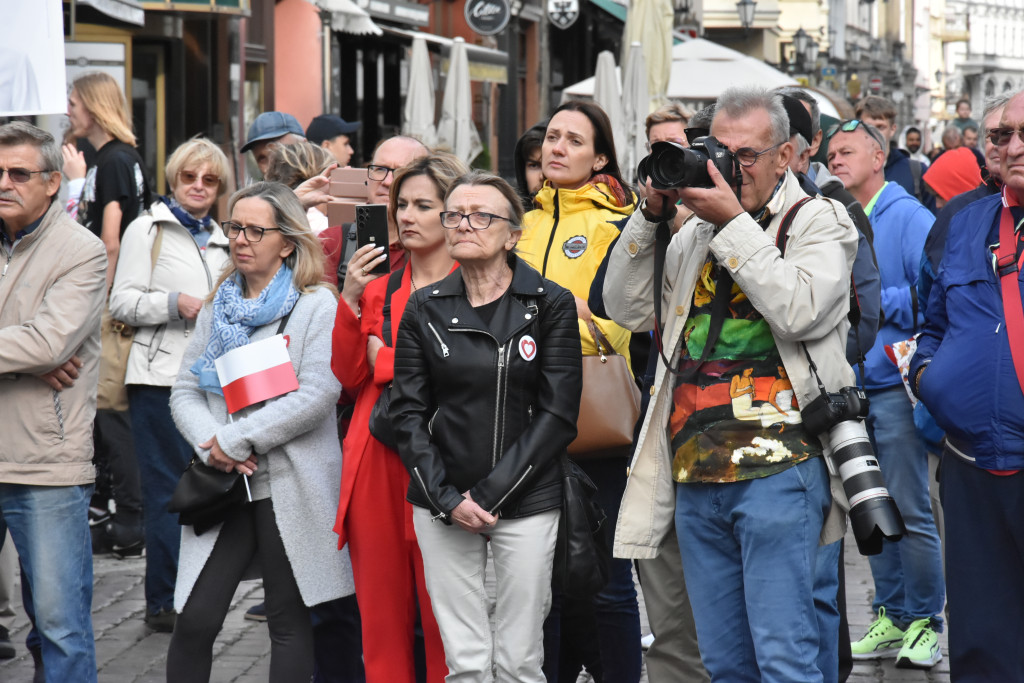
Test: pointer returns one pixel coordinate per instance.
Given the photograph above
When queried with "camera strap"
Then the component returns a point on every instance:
(1008, 267)
(719, 305)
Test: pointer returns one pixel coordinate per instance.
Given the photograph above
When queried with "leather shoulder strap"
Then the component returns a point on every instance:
(394, 282)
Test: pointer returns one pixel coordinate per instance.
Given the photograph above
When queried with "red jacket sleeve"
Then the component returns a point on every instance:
(348, 341)
(330, 240)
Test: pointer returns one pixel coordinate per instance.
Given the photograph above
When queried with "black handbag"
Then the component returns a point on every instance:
(582, 555)
(380, 416)
(204, 496)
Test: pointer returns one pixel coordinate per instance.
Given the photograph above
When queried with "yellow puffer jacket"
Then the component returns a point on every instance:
(568, 238)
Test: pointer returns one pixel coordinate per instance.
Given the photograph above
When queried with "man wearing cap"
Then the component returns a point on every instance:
(269, 128)
(332, 133)
(909, 588)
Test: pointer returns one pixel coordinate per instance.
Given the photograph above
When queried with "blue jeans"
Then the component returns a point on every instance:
(908, 573)
(50, 529)
(749, 551)
(826, 589)
(163, 455)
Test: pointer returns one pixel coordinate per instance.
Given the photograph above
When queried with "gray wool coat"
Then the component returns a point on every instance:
(296, 439)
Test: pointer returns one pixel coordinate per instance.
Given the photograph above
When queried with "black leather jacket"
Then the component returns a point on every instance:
(488, 409)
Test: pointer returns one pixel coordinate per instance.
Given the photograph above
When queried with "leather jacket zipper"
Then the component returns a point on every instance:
(444, 347)
(497, 506)
(499, 403)
(430, 501)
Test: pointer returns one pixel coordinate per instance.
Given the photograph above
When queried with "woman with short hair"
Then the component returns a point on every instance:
(287, 446)
(488, 373)
(171, 259)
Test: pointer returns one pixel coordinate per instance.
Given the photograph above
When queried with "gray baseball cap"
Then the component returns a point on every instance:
(271, 125)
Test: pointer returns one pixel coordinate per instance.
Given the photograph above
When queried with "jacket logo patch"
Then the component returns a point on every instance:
(574, 246)
(527, 347)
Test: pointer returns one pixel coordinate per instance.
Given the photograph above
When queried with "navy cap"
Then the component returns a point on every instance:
(328, 127)
(271, 125)
(799, 119)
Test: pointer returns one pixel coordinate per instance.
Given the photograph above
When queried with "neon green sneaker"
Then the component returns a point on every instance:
(883, 639)
(920, 646)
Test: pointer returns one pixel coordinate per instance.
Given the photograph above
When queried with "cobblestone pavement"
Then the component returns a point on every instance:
(127, 652)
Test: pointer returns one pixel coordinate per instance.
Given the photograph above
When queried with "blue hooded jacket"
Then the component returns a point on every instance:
(901, 226)
(970, 385)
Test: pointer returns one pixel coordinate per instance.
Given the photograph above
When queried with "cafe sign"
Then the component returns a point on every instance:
(487, 17)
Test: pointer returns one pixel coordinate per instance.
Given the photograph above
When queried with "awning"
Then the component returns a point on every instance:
(485, 64)
(348, 17)
(398, 11)
(238, 7)
(613, 8)
(127, 11)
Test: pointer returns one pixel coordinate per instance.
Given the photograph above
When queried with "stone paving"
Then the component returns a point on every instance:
(127, 652)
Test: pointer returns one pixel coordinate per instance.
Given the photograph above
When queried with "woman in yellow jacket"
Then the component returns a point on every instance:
(567, 238)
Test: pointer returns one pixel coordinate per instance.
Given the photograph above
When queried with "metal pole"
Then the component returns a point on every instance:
(325, 45)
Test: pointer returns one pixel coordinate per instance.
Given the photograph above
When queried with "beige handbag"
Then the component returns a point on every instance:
(116, 338)
(609, 404)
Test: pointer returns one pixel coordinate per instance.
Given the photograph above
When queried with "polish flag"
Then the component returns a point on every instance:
(256, 372)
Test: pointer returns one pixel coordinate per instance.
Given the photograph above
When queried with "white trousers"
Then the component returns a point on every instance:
(454, 562)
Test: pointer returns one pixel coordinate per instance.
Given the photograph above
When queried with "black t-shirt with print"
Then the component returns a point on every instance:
(117, 177)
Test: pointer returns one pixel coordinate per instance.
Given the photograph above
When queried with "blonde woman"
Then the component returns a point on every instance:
(161, 300)
(294, 164)
(287, 446)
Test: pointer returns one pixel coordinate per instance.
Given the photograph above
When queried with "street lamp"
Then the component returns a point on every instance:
(854, 51)
(876, 51)
(812, 52)
(746, 9)
(800, 40)
(897, 52)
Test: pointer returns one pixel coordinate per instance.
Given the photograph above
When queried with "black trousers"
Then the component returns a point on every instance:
(249, 533)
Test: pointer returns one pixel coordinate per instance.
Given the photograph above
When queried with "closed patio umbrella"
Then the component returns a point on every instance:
(649, 22)
(456, 129)
(608, 94)
(635, 107)
(418, 117)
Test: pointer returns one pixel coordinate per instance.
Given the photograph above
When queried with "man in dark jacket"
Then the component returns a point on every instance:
(969, 371)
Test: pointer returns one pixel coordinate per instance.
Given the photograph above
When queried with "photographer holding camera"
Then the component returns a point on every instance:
(749, 339)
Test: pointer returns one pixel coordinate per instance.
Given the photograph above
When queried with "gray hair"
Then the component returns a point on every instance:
(703, 118)
(799, 144)
(21, 133)
(804, 96)
(738, 102)
(997, 102)
(951, 135)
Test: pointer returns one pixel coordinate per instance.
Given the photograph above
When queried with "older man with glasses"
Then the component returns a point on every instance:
(909, 589)
(969, 372)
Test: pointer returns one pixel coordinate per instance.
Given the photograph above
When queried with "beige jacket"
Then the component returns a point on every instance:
(52, 293)
(804, 297)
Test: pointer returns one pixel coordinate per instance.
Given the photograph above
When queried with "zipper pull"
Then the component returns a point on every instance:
(501, 356)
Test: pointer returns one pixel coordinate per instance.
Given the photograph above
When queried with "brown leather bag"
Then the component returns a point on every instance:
(116, 340)
(609, 404)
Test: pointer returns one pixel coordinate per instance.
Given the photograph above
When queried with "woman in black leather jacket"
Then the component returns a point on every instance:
(485, 400)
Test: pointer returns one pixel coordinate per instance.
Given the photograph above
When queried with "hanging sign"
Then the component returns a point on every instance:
(563, 13)
(487, 17)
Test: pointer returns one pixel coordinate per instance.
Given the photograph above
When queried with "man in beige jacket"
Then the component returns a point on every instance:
(722, 451)
(52, 289)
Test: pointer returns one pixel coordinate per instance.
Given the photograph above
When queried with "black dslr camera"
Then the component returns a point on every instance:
(873, 512)
(670, 165)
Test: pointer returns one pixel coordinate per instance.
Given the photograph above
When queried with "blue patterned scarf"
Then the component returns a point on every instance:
(199, 227)
(235, 318)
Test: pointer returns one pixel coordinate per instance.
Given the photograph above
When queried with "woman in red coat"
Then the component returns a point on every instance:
(373, 515)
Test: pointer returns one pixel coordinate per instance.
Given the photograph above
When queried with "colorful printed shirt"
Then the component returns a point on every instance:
(734, 416)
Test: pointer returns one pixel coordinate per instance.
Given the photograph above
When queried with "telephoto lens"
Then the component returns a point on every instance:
(874, 515)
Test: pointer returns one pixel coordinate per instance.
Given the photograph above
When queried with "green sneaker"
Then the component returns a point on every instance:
(920, 646)
(883, 639)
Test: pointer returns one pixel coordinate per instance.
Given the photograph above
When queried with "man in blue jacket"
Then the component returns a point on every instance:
(909, 590)
(968, 370)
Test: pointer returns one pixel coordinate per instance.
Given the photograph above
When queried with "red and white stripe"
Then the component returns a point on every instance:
(256, 372)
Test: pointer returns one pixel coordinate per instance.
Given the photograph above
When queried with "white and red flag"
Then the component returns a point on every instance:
(256, 372)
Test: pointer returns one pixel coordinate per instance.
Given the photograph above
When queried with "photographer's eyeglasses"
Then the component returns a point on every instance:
(253, 233)
(19, 175)
(190, 177)
(851, 125)
(1000, 137)
(748, 156)
(478, 220)
(375, 172)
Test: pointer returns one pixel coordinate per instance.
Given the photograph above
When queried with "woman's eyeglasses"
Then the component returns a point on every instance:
(19, 175)
(253, 233)
(190, 177)
(1000, 137)
(852, 125)
(478, 220)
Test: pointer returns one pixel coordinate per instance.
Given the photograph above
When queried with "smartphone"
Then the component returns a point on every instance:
(372, 228)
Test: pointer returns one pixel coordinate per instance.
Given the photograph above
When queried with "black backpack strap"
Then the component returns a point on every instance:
(783, 235)
(394, 282)
(916, 170)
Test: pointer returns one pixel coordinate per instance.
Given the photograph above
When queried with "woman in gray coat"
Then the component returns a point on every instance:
(287, 446)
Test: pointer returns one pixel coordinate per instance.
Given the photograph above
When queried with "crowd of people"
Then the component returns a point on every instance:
(436, 404)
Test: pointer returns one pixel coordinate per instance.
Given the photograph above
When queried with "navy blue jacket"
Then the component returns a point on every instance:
(898, 170)
(970, 385)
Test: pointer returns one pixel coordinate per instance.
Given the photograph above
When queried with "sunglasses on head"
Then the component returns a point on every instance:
(852, 125)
